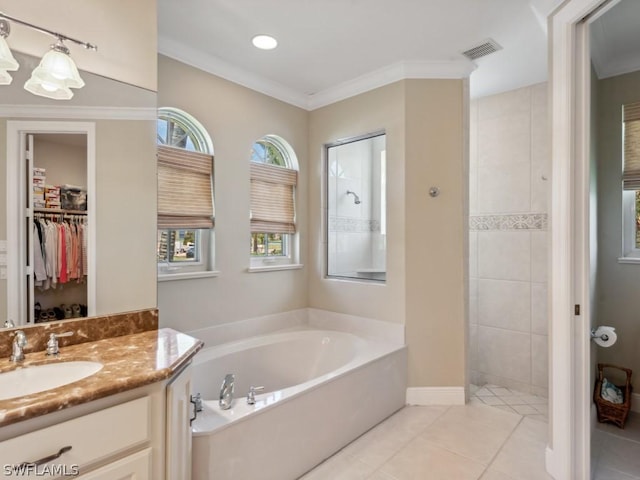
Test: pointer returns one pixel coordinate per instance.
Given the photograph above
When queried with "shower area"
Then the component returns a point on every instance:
(508, 204)
(356, 208)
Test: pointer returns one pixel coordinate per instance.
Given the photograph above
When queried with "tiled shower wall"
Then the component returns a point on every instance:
(509, 186)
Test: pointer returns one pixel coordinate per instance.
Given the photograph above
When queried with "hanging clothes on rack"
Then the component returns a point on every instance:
(59, 249)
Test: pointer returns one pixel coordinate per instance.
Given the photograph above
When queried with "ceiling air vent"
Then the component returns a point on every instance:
(485, 48)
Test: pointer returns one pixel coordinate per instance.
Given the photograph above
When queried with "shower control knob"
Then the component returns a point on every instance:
(434, 192)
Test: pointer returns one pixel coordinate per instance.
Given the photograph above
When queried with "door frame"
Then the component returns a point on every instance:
(16, 223)
(568, 454)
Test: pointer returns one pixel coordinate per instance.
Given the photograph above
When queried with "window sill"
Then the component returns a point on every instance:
(168, 277)
(272, 268)
(630, 260)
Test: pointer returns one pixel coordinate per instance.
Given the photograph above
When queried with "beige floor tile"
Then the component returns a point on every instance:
(491, 416)
(467, 437)
(620, 454)
(500, 391)
(536, 400)
(379, 475)
(525, 409)
(505, 408)
(492, 401)
(494, 475)
(522, 456)
(420, 460)
(605, 473)
(483, 392)
(514, 399)
(340, 467)
(382, 442)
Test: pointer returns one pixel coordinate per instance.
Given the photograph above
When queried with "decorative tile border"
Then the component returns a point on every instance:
(353, 225)
(519, 221)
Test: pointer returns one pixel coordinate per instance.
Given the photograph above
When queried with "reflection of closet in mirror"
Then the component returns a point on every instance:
(52, 238)
(58, 242)
(356, 208)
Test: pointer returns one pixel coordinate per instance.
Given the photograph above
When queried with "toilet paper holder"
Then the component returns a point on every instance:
(604, 337)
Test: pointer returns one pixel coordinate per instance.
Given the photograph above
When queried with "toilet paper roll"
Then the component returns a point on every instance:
(605, 336)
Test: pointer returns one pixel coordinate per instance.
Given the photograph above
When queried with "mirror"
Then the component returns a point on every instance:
(356, 208)
(122, 118)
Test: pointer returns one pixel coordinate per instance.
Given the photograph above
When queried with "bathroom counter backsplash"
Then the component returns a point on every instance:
(88, 329)
(129, 361)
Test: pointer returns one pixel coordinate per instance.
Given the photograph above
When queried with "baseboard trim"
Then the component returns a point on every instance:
(435, 396)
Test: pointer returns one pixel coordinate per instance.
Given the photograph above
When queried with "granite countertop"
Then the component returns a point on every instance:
(129, 361)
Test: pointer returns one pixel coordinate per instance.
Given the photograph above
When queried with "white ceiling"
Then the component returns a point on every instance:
(331, 49)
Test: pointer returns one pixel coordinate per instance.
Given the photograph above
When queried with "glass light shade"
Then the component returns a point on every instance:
(57, 66)
(55, 90)
(5, 78)
(7, 62)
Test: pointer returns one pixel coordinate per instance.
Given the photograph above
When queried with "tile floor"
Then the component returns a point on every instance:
(531, 406)
(470, 442)
(616, 452)
(493, 437)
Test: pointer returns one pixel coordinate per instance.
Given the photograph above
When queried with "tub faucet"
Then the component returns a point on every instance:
(251, 396)
(226, 392)
(19, 342)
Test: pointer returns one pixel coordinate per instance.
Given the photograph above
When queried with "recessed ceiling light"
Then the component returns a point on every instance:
(264, 42)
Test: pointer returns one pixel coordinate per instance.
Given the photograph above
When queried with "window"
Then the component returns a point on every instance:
(274, 178)
(185, 199)
(631, 183)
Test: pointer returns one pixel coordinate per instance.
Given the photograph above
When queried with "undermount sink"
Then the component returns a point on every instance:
(39, 378)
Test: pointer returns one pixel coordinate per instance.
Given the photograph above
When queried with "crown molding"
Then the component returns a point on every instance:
(216, 66)
(390, 74)
(78, 113)
(378, 78)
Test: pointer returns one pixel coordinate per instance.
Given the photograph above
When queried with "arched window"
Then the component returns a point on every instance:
(274, 178)
(185, 194)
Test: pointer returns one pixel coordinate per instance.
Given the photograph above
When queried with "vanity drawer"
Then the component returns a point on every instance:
(93, 437)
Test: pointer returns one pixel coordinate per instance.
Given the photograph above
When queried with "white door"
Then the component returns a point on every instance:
(179, 410)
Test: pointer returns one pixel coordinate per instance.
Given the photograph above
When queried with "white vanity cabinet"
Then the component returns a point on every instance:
(178, 434)
(94, 439)
(133, 467)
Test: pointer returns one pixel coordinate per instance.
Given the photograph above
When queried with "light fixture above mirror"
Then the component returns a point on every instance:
(56, 74)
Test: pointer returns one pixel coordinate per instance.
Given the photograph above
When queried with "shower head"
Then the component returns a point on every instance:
(356, 198)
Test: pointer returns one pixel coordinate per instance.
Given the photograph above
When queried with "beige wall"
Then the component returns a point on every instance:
(426, 252)
(618, 301)
(126, 215)
(124, 31)
(235, 117)
(436, 231)
(382, 108)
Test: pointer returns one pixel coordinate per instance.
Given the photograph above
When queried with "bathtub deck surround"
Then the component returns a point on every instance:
(302, 318)
(315, 380)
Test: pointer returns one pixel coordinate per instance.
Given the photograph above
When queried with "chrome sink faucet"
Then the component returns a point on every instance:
(52, 345)
(226, 392)
(19, 342)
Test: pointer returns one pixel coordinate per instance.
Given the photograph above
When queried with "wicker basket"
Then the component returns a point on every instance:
(612, 412)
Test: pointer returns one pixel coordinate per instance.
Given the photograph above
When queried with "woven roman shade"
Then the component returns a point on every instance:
(272, 198)
(631, 174)
(184, 189)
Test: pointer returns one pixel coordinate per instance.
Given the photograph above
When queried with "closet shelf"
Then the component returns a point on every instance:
(60, 210)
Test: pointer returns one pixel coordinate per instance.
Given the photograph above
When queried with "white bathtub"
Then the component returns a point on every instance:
(323, 389)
